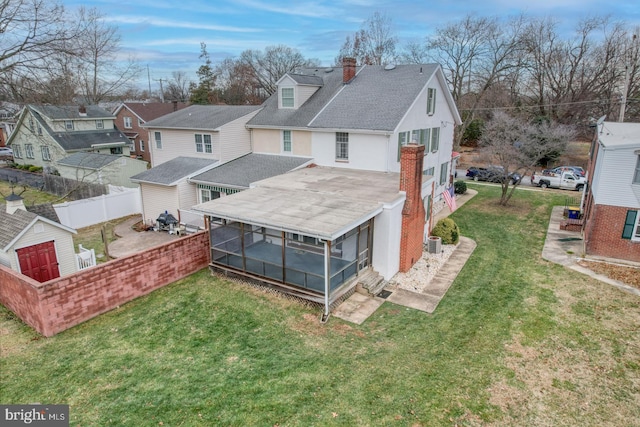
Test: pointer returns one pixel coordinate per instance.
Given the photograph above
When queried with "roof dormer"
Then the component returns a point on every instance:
(295, 89)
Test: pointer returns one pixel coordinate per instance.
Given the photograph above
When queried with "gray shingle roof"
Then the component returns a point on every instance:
(11, 225)
(304, 79)
(376, 99)
(202, 116)
(62, 112)
(250, 168)
(170, 172)
(89, 160)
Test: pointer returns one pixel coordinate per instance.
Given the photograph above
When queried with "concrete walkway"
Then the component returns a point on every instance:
(131, 241)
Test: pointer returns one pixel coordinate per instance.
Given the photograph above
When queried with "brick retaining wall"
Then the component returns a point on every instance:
(59, 304)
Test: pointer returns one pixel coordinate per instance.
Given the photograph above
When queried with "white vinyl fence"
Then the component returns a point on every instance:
(121, 201)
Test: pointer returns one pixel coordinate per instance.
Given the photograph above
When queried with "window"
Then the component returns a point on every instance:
(443, 173)
(132, 145)
(28, 149)
(636, 175)
(207, 195)
(46, 155)
(435, 139)
(631, 228)
(199, 148)
(158, 138)
(99, 124)
(286, 141)
(342, 146)
(17, 151)
(31, 124)
(429, 171)
(140, 122)
(203, 143)
(142, 145)
(403, 139)
(68, 124)
(39, 128)
(287, 97)
(431, 101)
(207, 144)
(127, 122)
(116, 150)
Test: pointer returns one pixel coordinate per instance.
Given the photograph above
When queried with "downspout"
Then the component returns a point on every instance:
(327, 281)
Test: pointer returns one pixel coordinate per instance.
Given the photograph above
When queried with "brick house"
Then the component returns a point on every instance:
(612, 204)
(131, 116)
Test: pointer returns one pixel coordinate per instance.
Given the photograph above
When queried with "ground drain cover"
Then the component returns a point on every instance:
(384, 294)
(569, 239)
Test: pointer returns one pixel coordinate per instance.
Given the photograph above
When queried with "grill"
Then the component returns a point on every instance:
(166, 222)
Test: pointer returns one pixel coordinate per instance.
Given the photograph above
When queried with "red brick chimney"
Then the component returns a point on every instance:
(413, 213)
(348, 69)
(82, 110)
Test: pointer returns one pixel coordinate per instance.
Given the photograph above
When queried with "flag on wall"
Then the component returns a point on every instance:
(450, 198)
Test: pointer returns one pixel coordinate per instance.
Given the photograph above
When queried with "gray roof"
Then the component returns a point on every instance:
(11, 225)
(376, 99)
(169, 173)
(89, 160)
(305, 79)
(45, 210)
(250, 168)
(68, 112)
(320, 202)
(202, 116)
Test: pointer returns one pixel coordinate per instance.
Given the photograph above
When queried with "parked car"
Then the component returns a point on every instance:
(6, 154)
(491, 174)
(565, 181)
(576, 170)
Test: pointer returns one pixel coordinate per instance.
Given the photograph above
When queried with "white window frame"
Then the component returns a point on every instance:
(132, 145)
(127, 122)
(342, 146)
(199, 144)
(46, 153)
(208, 146)
(68, 124)
(444, 168)
(635, 237)
(99, 124)
(39, 129)
(205, 195)
(435, 139)
(158, 138)
(28, 151)
(32, 124)
(431, 101)
(287, 144)
(17, 151)
(636, 175)
(142, 145)
(290, 98)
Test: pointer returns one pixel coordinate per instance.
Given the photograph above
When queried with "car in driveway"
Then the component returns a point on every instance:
(6, 154)
(491, 174)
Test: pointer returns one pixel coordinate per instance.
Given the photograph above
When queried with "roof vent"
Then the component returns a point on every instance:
(390, 67)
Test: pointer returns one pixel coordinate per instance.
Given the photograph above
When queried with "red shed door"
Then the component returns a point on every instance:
(39, 261)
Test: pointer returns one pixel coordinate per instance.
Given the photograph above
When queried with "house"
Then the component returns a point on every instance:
(101, 168)
(131, 116)
(8, 111)
(381, 141)
(612, 204)
(46, 134)
(34, 245)
(213, 132)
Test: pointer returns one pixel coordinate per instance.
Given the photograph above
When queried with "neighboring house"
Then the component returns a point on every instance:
(101, 168)
(46, 134)
(131, 116)
(214, 132)
(8, 111)
(34, 245)
(612, 205)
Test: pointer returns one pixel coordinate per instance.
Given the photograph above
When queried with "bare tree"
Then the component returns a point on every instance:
(178, 87)
(238, 84)
(515, 145)
(374, 44)
(267, 67)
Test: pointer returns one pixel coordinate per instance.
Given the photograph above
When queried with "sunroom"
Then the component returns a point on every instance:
(310, 239)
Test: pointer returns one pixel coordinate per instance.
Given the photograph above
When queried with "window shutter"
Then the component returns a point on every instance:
(629, 222)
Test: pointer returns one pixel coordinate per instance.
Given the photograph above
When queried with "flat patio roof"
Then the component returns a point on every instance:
(320, 202)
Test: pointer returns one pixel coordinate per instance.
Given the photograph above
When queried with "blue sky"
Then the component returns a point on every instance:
(166, 34)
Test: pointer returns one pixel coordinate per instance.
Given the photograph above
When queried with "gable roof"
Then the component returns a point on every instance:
(13, 226)
(243, 171)
(171, 172)
(147, 111)
(89, 160)
(375, 100)
(68, 112)
(209, 117)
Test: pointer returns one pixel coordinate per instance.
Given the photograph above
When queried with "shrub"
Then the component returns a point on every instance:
(460, 187)
(447, 230)
(35, 169)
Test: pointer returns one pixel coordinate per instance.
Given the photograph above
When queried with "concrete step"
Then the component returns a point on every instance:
(370, 282)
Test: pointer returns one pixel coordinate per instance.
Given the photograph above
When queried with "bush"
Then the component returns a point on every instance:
(460, 187)
(35, 169)
(447, 230)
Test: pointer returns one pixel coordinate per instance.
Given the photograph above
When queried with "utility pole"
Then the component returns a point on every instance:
(149, 78)
(627, 78)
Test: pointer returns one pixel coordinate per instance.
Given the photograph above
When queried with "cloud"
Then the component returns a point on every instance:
(167, 23)
(308, 9)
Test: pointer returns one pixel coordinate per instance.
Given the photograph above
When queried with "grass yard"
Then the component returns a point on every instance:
(91, 237)
(31, 195)
(517, 341)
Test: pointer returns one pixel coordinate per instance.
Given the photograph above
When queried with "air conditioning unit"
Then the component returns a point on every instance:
(435, 245)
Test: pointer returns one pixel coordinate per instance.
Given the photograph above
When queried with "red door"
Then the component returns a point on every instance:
(39, 261)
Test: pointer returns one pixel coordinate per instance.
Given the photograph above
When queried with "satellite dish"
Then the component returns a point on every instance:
(390, 67)
(601, 120)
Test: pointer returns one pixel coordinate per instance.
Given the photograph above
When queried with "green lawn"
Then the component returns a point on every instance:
(30, 195)
(516, 341)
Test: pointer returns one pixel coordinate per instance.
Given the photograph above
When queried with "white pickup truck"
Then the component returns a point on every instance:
(565, 181)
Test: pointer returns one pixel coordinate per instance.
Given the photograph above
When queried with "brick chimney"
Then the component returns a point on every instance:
(175, 106)
(348, 69)
(82, 110)
(413, 213)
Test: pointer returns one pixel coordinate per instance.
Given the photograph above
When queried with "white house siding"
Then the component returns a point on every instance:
(187, 194)
(158, 198)
(303, 93)
(613, 176)
(235, 138)
(386, 240)
(176, 143)
(366, 151)
(5, 259)
(79, 124)
(269, 141)
(42, 232)
(24, 136)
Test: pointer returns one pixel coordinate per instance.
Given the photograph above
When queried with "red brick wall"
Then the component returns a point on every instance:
(413, 213)
(143, 134)
(60, 304)
(603, 234)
